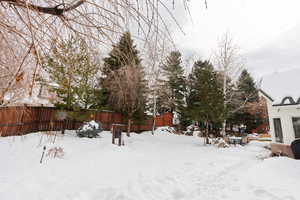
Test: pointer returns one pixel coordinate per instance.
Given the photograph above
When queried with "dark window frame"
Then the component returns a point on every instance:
(278, 130)
(296, 127)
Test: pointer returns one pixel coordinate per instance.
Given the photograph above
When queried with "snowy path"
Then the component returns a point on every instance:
(156, 167)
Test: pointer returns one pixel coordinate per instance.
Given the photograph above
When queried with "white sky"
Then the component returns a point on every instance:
(267, 31)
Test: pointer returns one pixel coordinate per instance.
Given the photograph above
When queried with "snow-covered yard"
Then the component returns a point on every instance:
(158, 167)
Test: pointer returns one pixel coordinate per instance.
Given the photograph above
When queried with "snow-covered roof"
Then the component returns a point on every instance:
(31, 100)
(282, 87)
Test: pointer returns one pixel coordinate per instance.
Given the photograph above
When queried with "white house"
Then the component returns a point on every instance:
(282, 92)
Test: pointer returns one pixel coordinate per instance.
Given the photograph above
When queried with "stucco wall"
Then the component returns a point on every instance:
(285, 113)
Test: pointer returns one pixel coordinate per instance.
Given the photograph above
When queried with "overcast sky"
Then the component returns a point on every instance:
(267, 32)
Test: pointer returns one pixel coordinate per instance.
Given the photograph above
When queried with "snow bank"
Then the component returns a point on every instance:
(277, 178)
(160, 166)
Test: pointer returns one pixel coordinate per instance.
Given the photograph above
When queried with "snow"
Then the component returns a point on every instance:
(30, 100)
(160, 166)
(91, 125)
(282, 84)
(165, 129)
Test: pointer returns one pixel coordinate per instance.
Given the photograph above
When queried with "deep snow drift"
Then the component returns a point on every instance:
(158, 167)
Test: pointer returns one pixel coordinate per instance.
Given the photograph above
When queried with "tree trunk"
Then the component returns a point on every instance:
(223, 132)
(206, 131)
(128, 127)
(63, 127)
(154, 124)
(154, 116)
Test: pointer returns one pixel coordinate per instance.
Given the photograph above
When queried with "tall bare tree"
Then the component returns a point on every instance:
(229, 62)
(153, 61)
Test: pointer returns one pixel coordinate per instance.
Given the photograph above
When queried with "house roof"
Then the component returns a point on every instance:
(282, 88)
(288, 101)
(266, 95)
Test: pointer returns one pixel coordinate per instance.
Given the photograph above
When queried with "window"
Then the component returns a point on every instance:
(278, 130)
(296, 125)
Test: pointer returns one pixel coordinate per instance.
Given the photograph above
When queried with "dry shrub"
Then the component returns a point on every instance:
(127, 91)
(55, 152)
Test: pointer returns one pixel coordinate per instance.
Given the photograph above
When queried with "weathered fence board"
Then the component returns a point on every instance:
(23, 120)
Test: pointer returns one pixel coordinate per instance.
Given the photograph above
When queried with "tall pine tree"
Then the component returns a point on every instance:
(124, 81)
(124, 53)
(173, 86)
(205, 99)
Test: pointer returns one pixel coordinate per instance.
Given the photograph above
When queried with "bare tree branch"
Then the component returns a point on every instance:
(56, 10)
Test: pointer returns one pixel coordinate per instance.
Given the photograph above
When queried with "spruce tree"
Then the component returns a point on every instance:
(246, 94)
(247, 88)
(173, 86)
(123, 53)
(125, 95)
(205, 99)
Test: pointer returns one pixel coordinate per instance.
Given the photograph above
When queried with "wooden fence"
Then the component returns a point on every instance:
(23, 120)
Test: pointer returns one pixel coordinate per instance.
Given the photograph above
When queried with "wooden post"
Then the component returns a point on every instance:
(206, 130)
(119, 135)
(113, 134)
(63, 127)
(128, 127)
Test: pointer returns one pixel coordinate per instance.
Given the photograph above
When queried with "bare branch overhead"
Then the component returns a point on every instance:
(58, 10)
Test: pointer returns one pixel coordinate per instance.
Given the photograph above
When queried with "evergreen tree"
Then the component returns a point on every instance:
(247, 88)
(71, 73)
(246, 94)
(123, 53)
(124, 92)
(205, 99)
(173, 86)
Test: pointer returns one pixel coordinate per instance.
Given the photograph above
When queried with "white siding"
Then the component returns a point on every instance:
(285, 113)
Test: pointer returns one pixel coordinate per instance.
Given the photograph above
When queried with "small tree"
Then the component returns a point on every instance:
(71, 73)
(246, 96)
(127, 91)
(247, 88)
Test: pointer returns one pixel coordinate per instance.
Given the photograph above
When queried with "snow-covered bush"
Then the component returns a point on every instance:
(166, 129)
(89, 129)
(218, 142)
(192, 130)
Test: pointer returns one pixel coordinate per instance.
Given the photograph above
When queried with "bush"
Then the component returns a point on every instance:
(191, 129)
(89, 129)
